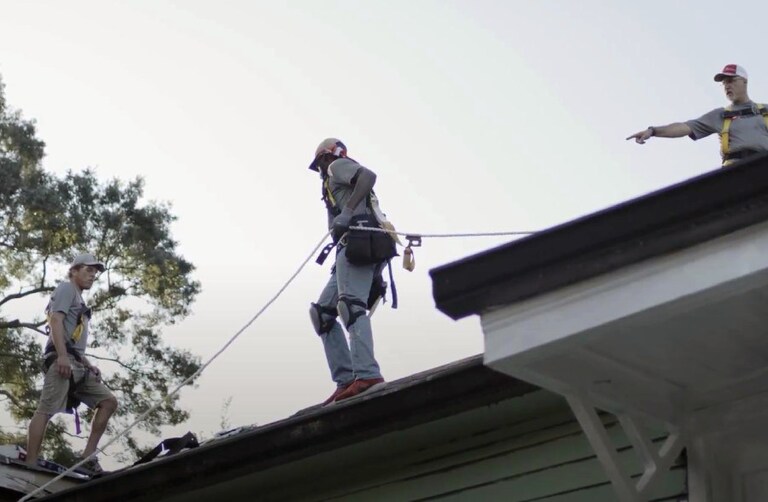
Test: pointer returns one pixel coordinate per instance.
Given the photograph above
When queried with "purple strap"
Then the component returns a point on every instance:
(77, 422)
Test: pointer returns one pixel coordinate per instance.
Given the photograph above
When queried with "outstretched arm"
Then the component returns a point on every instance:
(674, 130)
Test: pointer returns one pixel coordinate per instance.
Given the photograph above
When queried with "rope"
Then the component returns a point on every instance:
(185, 382)
(416, 234)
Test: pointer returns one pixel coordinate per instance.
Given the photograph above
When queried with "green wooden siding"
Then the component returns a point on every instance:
(552, 464)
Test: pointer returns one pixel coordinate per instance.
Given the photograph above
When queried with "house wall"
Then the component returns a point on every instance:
(524, 449)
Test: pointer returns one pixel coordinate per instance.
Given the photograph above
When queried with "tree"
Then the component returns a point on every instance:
(47, 219)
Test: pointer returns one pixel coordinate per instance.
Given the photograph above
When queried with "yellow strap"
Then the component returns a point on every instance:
(327, 186)
(77, 333)
(724, 136)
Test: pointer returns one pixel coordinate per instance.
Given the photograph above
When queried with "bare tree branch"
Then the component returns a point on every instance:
(34, 326)
(101, 358)
(12, 399)
(89, 355)
(40, 331)
(16, 296)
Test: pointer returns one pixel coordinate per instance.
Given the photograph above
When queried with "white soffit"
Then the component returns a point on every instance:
(661, 338)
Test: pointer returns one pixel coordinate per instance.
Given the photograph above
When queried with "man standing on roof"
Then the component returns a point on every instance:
(742, 126)
(69, 375)
(347, 192)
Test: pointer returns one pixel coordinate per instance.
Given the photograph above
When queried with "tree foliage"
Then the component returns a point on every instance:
(44, 221)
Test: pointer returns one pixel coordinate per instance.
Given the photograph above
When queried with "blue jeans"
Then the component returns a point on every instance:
(356, 360)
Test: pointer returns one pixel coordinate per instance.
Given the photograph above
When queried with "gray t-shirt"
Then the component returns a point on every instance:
(341, 177)
(745, 133)
(67, 300)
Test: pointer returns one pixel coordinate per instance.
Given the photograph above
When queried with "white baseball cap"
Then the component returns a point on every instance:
(87, 259)
(329, 145)
(731, 70)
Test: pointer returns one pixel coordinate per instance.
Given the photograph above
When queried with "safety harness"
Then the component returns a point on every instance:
(728, 116)
(379, 287)
(50, 356)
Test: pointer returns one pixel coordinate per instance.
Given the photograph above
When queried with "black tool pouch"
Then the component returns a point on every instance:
(365, 247)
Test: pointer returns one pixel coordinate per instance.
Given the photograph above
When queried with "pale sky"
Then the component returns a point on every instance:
(477, 116)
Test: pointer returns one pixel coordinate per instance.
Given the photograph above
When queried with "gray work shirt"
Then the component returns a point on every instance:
(341, 177)
(67, 299)
(745, 133)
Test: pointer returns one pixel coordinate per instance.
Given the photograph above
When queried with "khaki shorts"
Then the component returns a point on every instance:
(54, 396)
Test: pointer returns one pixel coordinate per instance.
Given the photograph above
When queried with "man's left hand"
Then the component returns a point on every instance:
(341, 223)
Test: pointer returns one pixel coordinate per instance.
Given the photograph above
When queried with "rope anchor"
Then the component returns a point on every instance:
(414, 241)
(409, 259)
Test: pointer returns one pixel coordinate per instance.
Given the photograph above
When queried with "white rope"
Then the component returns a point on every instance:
(185, 382)
(416, 234)
(247, 325)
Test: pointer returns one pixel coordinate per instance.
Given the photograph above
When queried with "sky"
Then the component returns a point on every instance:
(477, 116)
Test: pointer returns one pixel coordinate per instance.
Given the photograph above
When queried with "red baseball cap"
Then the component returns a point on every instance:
(731, 70)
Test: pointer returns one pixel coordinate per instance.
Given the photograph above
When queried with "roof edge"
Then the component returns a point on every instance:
(681, 215)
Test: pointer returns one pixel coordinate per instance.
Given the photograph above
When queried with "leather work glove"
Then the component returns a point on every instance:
(341, 223)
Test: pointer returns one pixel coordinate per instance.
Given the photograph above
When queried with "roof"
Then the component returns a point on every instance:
(673, 218)
(414, 400)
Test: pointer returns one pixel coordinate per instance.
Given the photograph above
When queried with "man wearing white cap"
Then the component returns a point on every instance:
(742, 126)
(68, 373)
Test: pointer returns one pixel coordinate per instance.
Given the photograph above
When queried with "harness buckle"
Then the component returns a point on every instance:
(414, 241)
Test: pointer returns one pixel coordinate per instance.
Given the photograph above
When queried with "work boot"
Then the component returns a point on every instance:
(91, 467)
(339, 390)
(359, 386)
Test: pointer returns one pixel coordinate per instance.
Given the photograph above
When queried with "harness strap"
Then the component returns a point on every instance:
(353, 315)
(50, 355)
(328, 198)
(392, 283)
(724, 133)
(324, 253)
(728, 116)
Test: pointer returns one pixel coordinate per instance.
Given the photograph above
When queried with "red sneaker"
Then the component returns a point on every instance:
(336, 393)
(359, 386)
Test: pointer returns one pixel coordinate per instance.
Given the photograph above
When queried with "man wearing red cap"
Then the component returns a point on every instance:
(742, 126)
